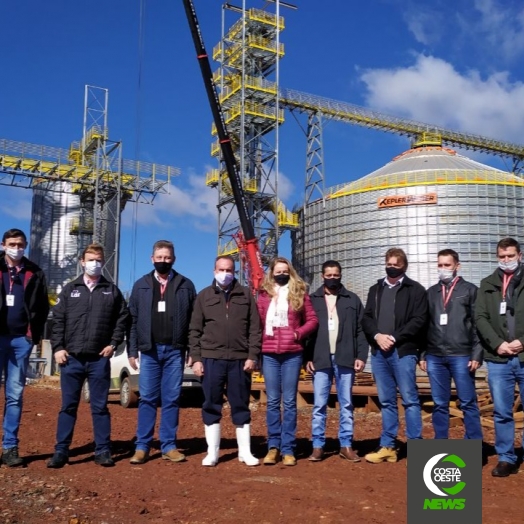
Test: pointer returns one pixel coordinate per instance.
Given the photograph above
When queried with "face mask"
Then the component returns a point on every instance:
(93, 268)
(224, 279)
(394, 272)
(14, 253)
(281, 279)
(509, 267)
(446, 275)
(163, 268)
(332, 283)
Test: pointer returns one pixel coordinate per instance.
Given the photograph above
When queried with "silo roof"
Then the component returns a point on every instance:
(427, 166)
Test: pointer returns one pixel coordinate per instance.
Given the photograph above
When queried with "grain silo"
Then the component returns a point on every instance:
(426, 199)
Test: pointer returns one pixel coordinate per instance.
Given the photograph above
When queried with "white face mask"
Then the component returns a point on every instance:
(224, 279)
(93, 268)
(509, 267)
(15, 253)
(446, 275)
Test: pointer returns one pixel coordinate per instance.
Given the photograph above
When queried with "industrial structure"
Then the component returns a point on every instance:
(80, 192)
(426, 199)
(249, 53)
(253, 101)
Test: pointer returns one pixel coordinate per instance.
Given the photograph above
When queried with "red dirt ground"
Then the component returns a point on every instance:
(160, 492)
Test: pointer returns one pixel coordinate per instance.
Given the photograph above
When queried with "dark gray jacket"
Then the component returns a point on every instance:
(459, 336)
(351, 340)
(225, 330)
(141, 308)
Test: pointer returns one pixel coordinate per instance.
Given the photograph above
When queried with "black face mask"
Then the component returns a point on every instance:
(394, 272)
(332, 283)
(163, 268)
(281, 279)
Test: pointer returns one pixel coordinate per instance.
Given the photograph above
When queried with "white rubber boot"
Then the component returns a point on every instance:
(244, 446)
(213, 445)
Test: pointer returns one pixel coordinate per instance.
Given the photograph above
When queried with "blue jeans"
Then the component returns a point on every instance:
(441, 370)
(502, 378)
(392, 372)
(14, 359)
(322, 380)
(281, 374)
(160, 382)
(97, 371)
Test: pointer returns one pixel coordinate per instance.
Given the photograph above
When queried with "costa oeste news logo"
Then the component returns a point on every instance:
(442, 476)
(444, 481)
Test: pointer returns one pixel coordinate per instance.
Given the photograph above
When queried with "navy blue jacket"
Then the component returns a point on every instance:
(141, 307)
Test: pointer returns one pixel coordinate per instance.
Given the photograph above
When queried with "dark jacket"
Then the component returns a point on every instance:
(141, 308)
(411, 312)
(304, 323)
(36, 300)
(491, 325)
(458, 338)
(225, 330)
(85, 322)
(351, 341)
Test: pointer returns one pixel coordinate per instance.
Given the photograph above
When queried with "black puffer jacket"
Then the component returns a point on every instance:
(35, 297)
(459, 336)
(86, 322)
(141, 307)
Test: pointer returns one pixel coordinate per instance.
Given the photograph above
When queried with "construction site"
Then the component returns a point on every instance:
(431, 195)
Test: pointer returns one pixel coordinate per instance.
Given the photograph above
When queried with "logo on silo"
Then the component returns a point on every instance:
(406, 200)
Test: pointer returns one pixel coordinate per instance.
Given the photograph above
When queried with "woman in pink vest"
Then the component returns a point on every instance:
(288, 319)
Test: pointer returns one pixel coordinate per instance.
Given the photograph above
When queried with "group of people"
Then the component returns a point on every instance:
(224, 332)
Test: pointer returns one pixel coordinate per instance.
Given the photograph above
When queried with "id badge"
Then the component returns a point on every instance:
(444, 319)
(503, 308)
(10, 300)
(162, 306)
(331, 325)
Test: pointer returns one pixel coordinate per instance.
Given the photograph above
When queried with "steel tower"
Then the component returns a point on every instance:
(249, 54)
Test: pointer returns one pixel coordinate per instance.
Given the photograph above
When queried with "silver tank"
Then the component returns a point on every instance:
(425, 200)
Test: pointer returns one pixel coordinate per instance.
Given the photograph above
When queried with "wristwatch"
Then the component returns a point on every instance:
(113, 347)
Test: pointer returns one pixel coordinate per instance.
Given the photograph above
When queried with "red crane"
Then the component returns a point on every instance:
(246, 240)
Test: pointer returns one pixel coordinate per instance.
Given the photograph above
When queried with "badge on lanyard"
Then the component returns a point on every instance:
(331, 325)
(162, 306)
(503, 308)
(10, 300)
(444, 319)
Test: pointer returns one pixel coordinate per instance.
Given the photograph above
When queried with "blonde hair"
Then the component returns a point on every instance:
(297, 287)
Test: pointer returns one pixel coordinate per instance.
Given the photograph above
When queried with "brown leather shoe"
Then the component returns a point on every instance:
(174, 456)
(349, 454)
(140, 457)
(317, 455)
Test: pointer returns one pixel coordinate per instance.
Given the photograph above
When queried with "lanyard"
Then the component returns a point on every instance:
(330, 311)
(13, 273)
(446, 296)
(506, 279)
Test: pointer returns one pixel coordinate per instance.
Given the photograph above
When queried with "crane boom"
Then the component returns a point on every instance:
(248, 232)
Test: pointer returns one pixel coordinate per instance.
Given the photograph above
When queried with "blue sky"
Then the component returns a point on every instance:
(455, 64)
